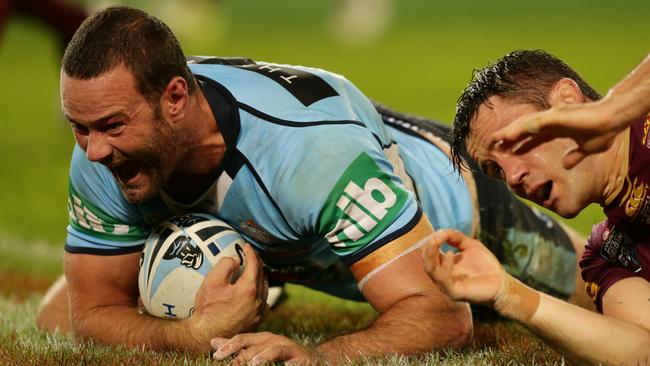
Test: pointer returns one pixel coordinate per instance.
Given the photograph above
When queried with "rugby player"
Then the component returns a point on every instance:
(616, 261)
(331, 193)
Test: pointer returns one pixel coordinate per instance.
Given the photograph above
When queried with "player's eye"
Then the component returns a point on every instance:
(79, 129)
(113, 127)
(492, 170)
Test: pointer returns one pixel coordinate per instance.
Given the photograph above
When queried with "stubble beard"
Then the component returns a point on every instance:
(158, 159)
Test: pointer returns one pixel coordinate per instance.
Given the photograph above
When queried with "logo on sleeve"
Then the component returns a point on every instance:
(637, 201)
(363, 203)
(86, 217)
(620, 250)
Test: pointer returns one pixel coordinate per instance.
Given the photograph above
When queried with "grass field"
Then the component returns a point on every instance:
(419, 65)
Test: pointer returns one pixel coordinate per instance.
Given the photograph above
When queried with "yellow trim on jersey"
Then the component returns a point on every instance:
(592, 289)
(390, 251)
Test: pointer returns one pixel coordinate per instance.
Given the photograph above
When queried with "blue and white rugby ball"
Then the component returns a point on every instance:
(177, 256)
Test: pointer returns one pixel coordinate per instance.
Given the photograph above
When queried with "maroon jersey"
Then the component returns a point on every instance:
(619, 247)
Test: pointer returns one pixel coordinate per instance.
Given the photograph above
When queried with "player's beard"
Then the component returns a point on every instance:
(156, 162)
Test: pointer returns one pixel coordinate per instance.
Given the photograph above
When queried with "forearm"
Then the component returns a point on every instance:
(124, 325)
(411, 326)
(631, 96)
(582, 336)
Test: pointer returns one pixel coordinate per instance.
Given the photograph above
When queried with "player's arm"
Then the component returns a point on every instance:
(582, 336)
(101, 263)
(103, 295)
(592, 125)
(415, 316)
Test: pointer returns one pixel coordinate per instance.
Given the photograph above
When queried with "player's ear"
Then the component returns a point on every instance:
(566, 91)
(175, 97)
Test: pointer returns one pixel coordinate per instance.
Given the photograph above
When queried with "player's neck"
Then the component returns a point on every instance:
(205, 151)
(207, 147)
(616, 157)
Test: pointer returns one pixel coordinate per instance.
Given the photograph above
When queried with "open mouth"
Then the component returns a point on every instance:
(544, 192)
(126, 171)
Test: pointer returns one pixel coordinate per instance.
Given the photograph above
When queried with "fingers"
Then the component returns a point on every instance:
(223, 272)
(431, 252)
(454, 238)
(217, 342)
(255, 276)
(258, 348)
(573, 157)
(263, 353)
(228, 347)
(270, 354)
(516, 131)
(439, 265)
(253, 269)
(255, 354)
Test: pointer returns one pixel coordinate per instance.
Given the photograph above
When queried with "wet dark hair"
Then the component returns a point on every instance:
(525, 76)
(120, 35)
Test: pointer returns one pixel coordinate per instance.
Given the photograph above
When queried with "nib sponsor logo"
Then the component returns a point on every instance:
(363, 212)
(364, 202)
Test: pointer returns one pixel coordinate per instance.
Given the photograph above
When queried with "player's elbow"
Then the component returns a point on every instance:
(53, 312)
(462, 329)
(451, 329)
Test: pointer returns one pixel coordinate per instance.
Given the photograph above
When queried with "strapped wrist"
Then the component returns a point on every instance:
(516, 300)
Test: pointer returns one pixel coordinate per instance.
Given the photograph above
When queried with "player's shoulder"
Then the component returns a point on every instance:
(91, 185)
(286, 92)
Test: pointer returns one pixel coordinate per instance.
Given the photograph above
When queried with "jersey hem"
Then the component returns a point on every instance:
(103, 252)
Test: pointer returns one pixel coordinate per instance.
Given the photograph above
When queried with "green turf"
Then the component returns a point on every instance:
(419, 65)
(496, 343)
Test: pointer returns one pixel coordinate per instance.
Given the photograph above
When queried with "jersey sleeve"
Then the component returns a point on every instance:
(365, 214)
(101, 221)
(598, 273)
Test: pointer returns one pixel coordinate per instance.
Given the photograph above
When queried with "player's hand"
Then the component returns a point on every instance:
(227, 305)
(473, 275)
(592, 126)
(260, 348)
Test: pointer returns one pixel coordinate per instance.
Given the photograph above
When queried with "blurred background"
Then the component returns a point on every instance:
(413, 55)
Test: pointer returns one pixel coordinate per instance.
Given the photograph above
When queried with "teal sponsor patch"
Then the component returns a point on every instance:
(92, 220)
(363, 203)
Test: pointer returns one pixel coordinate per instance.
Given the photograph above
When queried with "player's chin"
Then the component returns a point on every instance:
(567, 211)
(139, 194)
(144, 187)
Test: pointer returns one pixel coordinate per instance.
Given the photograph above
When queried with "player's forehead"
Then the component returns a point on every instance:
(116, 80)
(483, 124)
(495, 113)
(114, 90)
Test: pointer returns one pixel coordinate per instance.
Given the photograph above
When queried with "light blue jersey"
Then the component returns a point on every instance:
(313, 177)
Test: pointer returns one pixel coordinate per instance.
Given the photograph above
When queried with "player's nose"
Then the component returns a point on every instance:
(97, 147)
(515, 171)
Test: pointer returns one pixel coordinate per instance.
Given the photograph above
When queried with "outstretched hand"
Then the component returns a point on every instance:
(261, 348)
(592, 126)
(474, 274)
